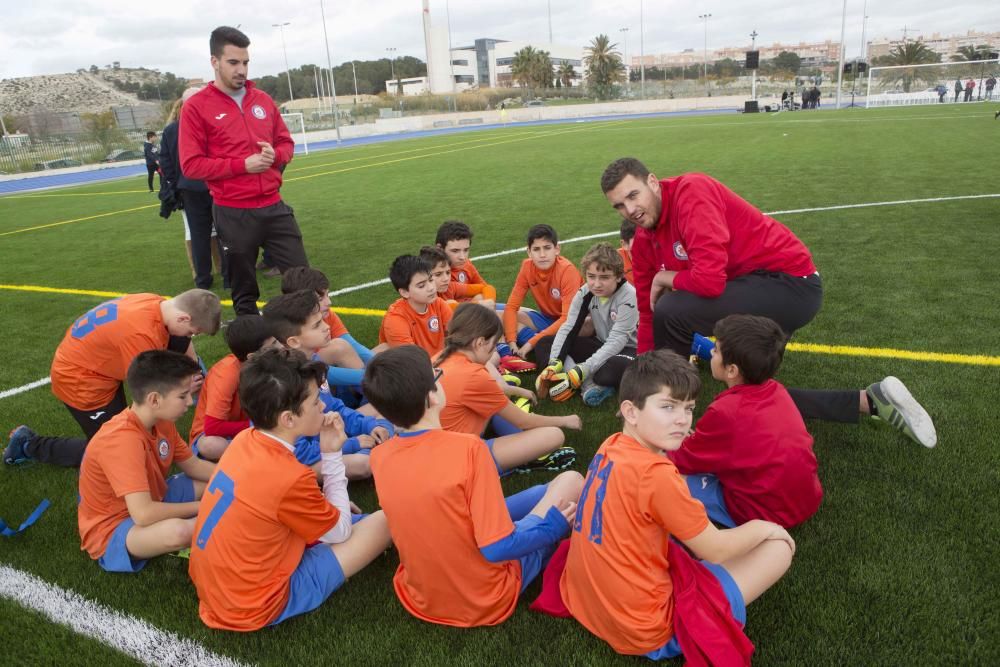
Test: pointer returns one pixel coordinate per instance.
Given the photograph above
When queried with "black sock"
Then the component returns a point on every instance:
(872, 408)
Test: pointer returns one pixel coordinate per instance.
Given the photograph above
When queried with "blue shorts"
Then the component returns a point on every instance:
(672, 648)
(315, 579)
(489, 446)
(116, 558)
(532, 564)
(706, 488)
(540, 321)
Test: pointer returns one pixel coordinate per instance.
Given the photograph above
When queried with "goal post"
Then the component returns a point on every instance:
(296, 123)
(905, 85)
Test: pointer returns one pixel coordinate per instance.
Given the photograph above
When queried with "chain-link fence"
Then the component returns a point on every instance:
(53, 140)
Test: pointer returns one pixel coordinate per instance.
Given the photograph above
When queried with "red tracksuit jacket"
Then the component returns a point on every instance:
(753, 439)
(709, 235)
(216, 136)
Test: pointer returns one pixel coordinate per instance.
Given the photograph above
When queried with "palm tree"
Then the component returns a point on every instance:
(566, 74)
(604, 66)
(968, 53)
(542, 74)
(913, 53)
(521, 69)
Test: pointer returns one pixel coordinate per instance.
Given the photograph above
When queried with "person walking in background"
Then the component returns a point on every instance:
(991, 83)
(970, 86)
(150, 151)
(194, 202)
(958, 88)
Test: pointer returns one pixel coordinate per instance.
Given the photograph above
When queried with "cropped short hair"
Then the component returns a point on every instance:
(544, 232)
(397, 383)
(161, 371)
(276, 380)
(605, 257)
(246, 334)
(150, 134)
(452, 230)
(304, 277)
(616, 172)
(653, 371)
(404, 268)
(627, 230)
(755, 344)
(286, 314)
(225, 35)
(203, 307)
(433, 255)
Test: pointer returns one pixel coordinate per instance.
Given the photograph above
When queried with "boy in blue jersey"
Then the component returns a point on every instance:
(297, 322)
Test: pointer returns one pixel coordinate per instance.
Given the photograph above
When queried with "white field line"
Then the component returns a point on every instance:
(132, 636)
(7, 393)
(576, 239)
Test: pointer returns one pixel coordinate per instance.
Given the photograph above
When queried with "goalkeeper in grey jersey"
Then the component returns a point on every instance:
(598, 340)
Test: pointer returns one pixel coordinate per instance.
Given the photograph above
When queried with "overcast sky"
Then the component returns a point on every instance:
(53, 36)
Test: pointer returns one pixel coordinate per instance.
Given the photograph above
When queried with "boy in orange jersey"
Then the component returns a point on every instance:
(298, 324)
(249, 561)
(93, 358)
(345, 356)
(627, 234)
(440, 273)
(552, 281)
(129, 511)
(218, 416)
(618, 580)
(465, 554)
(455, 238)
(419, 317)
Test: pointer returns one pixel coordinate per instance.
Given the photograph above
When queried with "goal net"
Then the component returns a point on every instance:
(931, 83)
(296, 123)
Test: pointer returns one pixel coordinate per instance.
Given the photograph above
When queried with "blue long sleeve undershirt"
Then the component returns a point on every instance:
(530, 534)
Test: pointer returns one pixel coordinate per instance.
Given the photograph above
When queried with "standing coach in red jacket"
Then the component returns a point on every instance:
(233, 138)
(701, 253)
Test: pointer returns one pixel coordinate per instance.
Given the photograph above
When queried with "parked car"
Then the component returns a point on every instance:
(124, 155)
(57, 164)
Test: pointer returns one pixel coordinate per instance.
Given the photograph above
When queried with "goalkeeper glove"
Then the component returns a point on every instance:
(568, 384)
(544, 379)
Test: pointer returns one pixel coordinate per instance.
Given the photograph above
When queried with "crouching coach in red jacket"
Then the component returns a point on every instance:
(701, 253)
(233, 138)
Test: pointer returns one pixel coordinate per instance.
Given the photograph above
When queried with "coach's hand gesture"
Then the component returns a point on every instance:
(260, 162)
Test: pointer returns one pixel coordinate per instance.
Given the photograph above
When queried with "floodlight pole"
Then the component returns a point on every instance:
(329, 68)
(642, 51)
(392, 64)
(840, 65)
(550, 22)
(355, 71)
(628, 70)
(753, 78)
(705, 17)
(288, 71)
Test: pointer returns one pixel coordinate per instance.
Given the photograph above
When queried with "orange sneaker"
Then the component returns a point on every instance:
(515, 364)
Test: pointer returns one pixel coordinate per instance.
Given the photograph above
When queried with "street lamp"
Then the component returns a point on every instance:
(288, 72)
(705, 17)
(392, 64)
(628, 70)
(355, 71)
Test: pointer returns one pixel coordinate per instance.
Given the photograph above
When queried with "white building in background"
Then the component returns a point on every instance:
(484, 64)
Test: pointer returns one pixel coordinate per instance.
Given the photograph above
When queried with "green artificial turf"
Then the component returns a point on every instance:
(899, 565)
